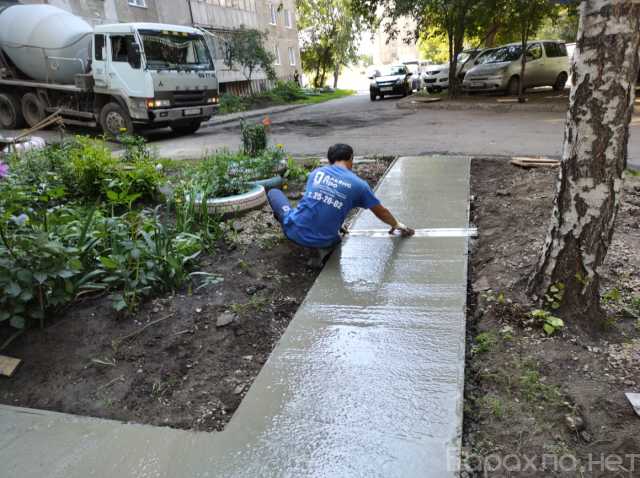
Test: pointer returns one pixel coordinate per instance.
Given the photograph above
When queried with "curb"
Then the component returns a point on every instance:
(413, 104)
(223, 119)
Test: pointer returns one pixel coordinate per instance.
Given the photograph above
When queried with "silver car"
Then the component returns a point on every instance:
(547, 65)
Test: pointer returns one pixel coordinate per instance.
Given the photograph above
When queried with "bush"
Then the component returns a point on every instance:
(254, 138)
(288, 91)
(231, 104)
(63, 232)
(86, 169)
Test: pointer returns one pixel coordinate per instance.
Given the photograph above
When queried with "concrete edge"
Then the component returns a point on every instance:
(412, 104)
(251, 114)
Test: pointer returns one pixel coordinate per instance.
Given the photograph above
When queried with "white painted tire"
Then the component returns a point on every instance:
(252, 199)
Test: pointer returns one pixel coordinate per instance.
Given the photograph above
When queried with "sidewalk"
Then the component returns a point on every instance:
(367, 380)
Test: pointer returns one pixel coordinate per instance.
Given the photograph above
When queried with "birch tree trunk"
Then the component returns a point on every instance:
(589, 187)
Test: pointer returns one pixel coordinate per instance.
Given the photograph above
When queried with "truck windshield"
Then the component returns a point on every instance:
(175, 51)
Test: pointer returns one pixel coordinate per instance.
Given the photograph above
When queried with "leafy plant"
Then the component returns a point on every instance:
(485, 341)
(550, 323)
(231, 104)
(254, 138)
(295, 171)
(554, 295)
(246, 50)
(612, 295)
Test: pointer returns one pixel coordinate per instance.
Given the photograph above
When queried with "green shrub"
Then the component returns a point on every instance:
(231, 104)
(288, 91)
(254, 138)
(85, 169)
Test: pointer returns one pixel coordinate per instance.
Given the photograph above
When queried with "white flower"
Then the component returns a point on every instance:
(21, 219)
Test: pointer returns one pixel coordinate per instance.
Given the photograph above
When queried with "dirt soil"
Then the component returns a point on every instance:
(174, 363)
(538, 405)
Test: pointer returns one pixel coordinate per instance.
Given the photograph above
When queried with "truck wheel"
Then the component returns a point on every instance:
(33, 109)
(10, 112)
(187, 127)
(115, 121)
(372, 95)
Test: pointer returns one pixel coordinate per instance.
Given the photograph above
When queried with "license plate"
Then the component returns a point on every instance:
(192, 112)
(387, 88)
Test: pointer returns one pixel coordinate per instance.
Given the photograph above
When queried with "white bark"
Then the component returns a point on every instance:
(605, 67)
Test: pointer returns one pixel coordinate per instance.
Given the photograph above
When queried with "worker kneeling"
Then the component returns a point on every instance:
(332, 192)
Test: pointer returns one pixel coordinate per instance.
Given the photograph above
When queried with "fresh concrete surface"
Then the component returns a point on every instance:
(367, 380)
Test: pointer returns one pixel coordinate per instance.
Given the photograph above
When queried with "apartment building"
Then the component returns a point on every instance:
(219, 17)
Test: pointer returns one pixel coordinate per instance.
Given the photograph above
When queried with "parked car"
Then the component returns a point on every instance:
(436, 78)
(390, 80)
(414, 66)
(547, 65)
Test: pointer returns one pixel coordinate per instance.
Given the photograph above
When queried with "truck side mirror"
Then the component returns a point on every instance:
(133, 56)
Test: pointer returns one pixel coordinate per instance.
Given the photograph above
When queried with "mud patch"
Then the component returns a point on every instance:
(184, 360)
(558, 401)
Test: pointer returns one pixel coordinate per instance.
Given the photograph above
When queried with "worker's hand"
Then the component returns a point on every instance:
(344, 231)
(404, 230)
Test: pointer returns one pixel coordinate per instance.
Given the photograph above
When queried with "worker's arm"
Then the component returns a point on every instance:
(385, 216)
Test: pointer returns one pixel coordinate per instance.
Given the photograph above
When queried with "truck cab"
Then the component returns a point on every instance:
(151, 75)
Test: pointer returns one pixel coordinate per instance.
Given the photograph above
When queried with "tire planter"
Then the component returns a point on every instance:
(270, 183)
(252, 199)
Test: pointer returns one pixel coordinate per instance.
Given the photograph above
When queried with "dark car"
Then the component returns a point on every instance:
(390, 80)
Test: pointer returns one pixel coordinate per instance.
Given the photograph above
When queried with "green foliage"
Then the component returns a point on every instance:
(60, 236)
(611, 296)
(333, 35)
(288, 91)
(295, 171)
(246, 50)
(563, 26)
(555, 294)
(254, 138)
(533, 388)
(485, 341)
(85, 168)
(550, 323)
(232, 104)
(434, 47)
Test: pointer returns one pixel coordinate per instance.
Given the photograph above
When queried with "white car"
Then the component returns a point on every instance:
(436, 77)
(414, 66)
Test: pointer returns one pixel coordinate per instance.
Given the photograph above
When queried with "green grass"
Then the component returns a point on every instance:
(322, 97)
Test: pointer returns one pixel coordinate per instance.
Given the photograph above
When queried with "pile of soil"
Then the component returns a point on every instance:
(183, 360)
(538, 405)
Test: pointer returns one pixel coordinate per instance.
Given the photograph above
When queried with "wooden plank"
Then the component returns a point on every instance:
(8, 365)
(535, 164)
(534, 159)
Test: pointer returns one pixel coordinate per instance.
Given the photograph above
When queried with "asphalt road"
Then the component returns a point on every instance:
(381, 128)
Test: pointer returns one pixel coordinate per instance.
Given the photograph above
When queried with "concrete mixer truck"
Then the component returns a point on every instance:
(121, 77)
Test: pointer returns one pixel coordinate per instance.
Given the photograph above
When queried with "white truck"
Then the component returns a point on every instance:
(121, 77)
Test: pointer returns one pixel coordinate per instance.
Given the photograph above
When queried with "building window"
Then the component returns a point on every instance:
(138, 3)
(274, 14)
(277, 53)
(287, 18)
(292, 57)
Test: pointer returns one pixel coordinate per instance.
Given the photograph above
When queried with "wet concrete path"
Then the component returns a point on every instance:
(366, 381)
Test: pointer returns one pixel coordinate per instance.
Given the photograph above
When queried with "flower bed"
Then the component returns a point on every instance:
(77, 222)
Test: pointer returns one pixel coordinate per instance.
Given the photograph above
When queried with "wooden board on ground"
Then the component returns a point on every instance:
(8, 365)
(526, 162)
(511, 100)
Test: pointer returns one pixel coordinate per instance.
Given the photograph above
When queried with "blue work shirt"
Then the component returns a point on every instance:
(332, 191)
